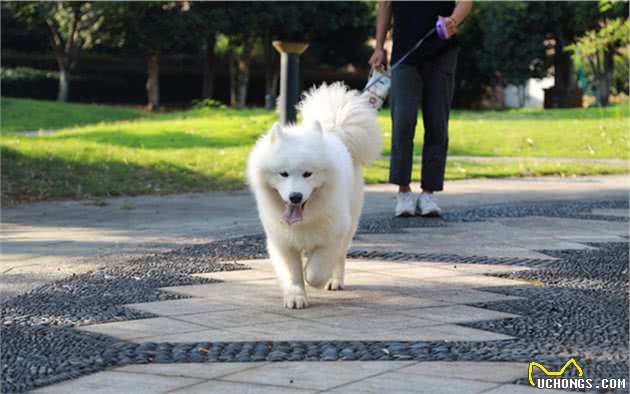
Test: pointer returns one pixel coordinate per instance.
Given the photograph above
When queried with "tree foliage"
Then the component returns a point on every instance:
(516, 54)
(154, 27)
(336, 31)
(510, 42)
(596, 50)
(501, 42)
(70, 27)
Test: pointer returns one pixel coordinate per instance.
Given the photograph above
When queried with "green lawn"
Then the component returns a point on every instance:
(585, 133)
(378, 172)
(121, 151)
(32, 115)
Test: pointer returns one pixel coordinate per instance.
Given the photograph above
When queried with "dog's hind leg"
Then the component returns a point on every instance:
(336, 279)
(319, 266)
(287, 262)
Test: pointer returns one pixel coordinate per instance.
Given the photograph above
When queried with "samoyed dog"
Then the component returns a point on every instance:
(308, 184)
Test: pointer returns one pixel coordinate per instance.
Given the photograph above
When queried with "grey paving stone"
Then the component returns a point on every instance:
(540, 306)
(502, 237)
(241, 276)
(181, 307)
(372, 322)
(255, 313)
(111, 382)
(322, 310)
(456, 314)
(471, 268)
(522, 389)
(143, 328)
(466, 296)
(472, 282)
(400, 383)
(191, 370)
(221, 387)
(232, 292)
(499, 372)
(203, 335)
(235, 318)
(306, 375)
(294, 330)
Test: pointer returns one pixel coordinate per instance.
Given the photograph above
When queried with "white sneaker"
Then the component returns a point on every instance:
(406, 204)
(427, 205)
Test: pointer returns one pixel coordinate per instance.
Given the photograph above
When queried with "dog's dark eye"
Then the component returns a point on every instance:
(307, 174)
(284, 174)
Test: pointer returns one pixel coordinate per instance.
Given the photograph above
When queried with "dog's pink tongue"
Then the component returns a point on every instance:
(292, 214)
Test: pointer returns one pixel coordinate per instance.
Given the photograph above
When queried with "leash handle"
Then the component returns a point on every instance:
(440, 27)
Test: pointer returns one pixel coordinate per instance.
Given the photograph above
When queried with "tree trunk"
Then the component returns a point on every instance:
(564, 72)
(271, 72)
(153, 80)
(603, 92)
(207, 86)
(602, 88)
(232, 75)
(242, 79)
(238, 96)
(602, 66)
(609, 66)
(522, 94)
(64, 85)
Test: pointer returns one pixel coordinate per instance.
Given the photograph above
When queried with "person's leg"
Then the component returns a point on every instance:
(404, 99)
(437, 93)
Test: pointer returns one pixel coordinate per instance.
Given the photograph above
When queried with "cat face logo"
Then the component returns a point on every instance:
(544, 370)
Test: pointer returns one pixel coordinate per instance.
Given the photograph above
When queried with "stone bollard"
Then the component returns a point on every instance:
(289, 68)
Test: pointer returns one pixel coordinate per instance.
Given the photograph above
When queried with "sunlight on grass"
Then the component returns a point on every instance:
(571, 133)
(33, 115)
(378, 172)
(136, 152)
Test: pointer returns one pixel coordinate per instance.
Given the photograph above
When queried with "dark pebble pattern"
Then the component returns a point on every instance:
(579, 308)
(563, 209)
(446, 258)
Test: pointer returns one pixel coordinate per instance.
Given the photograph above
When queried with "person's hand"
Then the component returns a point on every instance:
(378, 58)
(451, 25)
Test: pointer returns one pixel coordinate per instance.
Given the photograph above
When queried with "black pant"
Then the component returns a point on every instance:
(433, 82)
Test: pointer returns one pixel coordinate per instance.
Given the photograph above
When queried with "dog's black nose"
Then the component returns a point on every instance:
(295, 198)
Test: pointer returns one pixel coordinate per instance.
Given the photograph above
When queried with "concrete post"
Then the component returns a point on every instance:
(289, 68)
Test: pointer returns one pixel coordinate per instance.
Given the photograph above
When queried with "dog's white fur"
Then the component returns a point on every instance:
(339, 134)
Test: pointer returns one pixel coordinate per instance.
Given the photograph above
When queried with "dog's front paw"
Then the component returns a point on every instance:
(334, 284)
(295, 298)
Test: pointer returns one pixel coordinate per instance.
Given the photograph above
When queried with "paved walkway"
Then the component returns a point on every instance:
(454, 293)
(36, 133)
(375, 377)
(384, 301)
(51, 240)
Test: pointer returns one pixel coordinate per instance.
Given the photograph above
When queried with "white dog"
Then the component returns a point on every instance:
(308, 183)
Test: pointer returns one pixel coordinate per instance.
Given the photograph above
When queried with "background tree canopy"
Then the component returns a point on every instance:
(182, 51)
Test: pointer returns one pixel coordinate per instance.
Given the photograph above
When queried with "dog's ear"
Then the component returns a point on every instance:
(318, 127)
(276, 132)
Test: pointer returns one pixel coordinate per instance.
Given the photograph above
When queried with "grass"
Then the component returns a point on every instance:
(378, 172)
(572, 133)
(121, 151)
(32, 115)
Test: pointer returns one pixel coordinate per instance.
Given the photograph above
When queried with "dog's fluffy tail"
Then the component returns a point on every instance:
(346, 113)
